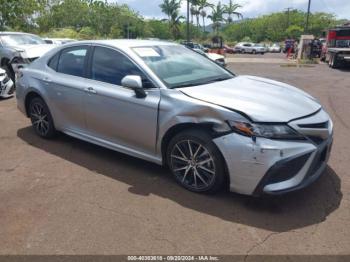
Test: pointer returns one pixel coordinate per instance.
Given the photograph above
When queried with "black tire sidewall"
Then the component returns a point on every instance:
(52, 131)
(205, 140)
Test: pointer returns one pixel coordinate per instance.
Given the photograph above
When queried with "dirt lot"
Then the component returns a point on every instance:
(69, 197)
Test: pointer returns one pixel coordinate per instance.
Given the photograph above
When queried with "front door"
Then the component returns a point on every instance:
(113, 112)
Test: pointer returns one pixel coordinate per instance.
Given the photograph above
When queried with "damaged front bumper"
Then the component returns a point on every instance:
(268, 166)
(7, 86)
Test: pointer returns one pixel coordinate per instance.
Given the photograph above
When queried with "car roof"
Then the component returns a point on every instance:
(128, 43)
(14, 33)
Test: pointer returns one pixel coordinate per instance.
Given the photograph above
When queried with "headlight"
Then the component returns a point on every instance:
(275, 131)
(19, 60)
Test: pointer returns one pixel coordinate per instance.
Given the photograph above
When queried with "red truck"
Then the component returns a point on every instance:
(336, 50)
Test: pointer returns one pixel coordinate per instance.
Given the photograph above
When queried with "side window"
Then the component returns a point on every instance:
(53, 61)
(111, 66)
(72, 61)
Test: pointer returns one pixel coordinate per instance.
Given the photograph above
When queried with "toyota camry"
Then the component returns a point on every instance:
(166, 104)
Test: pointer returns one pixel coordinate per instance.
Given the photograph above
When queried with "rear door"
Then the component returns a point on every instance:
(67, 87)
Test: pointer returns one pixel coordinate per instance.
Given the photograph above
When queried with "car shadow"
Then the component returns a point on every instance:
(279, 213)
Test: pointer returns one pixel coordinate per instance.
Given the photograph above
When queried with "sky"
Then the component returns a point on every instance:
(251, 8)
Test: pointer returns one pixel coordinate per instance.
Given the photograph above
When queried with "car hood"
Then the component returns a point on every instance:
(33, 51)
(263, 100)
(214, 56)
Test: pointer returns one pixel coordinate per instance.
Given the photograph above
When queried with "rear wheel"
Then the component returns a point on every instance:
(254, 52)
(196, 162)
(333, 61)
(41, 118)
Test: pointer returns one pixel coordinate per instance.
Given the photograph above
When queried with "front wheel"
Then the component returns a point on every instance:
(41, 118)
(196, 162)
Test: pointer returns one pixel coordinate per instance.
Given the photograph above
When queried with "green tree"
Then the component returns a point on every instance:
(19, 14)
(171, 9)
(230, 9)
(202, 5)
(217, 16)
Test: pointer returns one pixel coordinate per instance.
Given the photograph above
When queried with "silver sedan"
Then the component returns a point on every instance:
(164, 103)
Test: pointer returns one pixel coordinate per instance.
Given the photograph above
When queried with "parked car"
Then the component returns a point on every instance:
(19, 49)
(252, 48)
(58, 41)
(169, 105)
(6, 85)
(238, 47)
(229, 50)
(275, 48)
(219, 59)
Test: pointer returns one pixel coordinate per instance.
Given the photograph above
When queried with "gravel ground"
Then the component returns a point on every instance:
(65, 196)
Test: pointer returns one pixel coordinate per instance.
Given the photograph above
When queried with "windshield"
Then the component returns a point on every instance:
(18, 39)
(177, 66)
(343, 43)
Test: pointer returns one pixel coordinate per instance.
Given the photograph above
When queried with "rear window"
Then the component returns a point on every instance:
(53, 61)
(72, 61)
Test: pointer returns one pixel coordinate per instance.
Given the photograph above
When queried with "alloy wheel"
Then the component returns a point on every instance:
(193, 165)
(39, 118)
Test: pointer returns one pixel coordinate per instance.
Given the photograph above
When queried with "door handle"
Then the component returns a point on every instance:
(90, 90)
(46, 79)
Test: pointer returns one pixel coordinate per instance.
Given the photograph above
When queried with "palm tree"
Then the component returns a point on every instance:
(202, 5)
(204, 15)
(217, 16)
(175, 24)
(230, 9)
(170, 6)
(171, 9)
(195, 10)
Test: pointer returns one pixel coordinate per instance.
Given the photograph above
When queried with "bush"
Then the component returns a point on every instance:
(63, 33)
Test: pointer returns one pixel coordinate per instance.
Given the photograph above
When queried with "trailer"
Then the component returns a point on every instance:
(336, 50)
(338, 57)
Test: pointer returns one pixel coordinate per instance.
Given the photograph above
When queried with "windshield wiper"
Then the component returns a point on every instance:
(218, 79)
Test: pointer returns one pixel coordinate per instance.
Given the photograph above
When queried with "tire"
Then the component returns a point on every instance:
(333, 61)
(207, 177)
(254, 52)
(41, 118)
(330, 61)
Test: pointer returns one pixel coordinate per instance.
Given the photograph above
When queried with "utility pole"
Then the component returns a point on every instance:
(188, 21)
(307, 17)
(288, 19)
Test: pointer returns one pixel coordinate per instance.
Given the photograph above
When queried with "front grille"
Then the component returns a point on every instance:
(319, 159)
(316, 125)
(316, 139)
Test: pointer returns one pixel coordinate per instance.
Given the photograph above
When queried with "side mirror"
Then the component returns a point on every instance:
(134, 82)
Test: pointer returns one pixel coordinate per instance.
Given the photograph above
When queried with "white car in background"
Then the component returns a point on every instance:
(58, 41)
(17, 50)
(219, 59)
(252, 48)
(7, 87)
(275, 48)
